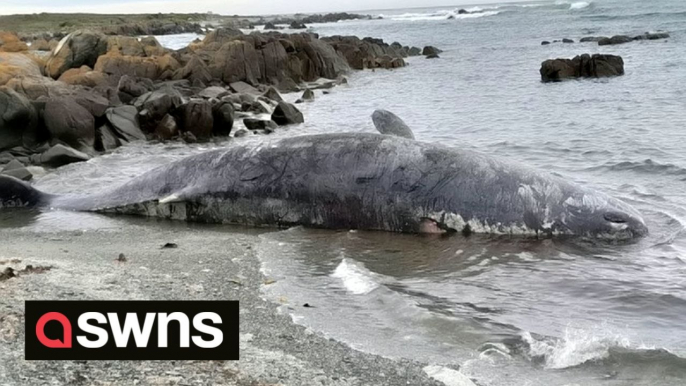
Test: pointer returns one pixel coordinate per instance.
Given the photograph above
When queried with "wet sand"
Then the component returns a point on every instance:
(210, 263)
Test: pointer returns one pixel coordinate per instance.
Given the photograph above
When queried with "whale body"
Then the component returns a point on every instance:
(356, 181)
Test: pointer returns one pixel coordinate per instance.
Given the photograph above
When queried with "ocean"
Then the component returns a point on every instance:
(505, 311)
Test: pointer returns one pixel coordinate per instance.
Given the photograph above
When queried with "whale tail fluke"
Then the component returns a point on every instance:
(16, 193)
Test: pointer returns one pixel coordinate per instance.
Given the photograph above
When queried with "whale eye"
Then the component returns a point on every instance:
(615, 217)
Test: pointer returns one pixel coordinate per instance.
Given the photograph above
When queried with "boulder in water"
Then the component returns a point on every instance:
(286, 114)
(60, 155)
(583, 66)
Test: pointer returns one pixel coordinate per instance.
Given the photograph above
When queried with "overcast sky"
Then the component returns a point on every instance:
(224, 7)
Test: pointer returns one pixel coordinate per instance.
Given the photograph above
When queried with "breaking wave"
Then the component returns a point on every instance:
(579, 5)
(475, 12)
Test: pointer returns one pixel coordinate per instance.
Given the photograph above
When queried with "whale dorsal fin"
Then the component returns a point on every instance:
(390, 124)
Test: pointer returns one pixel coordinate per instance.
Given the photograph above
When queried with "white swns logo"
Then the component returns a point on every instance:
(141, 335)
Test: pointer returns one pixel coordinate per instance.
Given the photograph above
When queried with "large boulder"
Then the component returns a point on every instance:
(75, 50)
(130, 87)
(194, 70)
(286, 114)
(84, 76)
(10, 42)
(617, 39)
(583, 66)
(34, 87)
(167, 128)
(157, 67)
(14, 65)
(70, 123)
(431, 50)
(17, 170)
(196, 118)
(124, 121)
(60, 155)
(236, 61)
(158, 103)
(105, 139)
(223, 114)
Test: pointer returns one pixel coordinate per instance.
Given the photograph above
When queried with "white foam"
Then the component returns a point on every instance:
(576, 347)
(440, 15)
(579, 5)
(448, 376)
(355, 277)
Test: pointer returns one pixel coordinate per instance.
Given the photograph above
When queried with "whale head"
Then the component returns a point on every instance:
(600, 216)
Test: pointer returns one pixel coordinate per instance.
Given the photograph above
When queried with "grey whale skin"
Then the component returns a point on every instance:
(356, 181)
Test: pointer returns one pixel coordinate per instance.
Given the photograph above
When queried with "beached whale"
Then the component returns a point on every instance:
(356, 181)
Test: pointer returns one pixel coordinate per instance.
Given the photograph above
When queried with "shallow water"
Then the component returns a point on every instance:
(508, 311)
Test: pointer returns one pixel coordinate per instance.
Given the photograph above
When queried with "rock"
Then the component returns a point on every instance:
(213, 92)
(96, 104)
(13, 65)
(124, 122)
(194, 70)
(75, 50)
(70, 123)
(222, 36)
(297, 25)
(167, 128)
(617, 39)
(299, 101)
(223, 114)
(260, 107)
(18, 120)
(415, 51)
(243, 88)
(592, 39)
(34, 87)
(105, 140)
(565, 40)
(17, 170)
(241, 133)
(188, 137)
(430, 50)
(270, 25)
(84, 76)
(157, 67)
(545, 43)
(10, 42)
(152, 47)
(584, 66)
(60, 155)
(158, 103)
(40, 45)
(286, 114)
(432, 56)
(196, 117)
(652, 36)
(308, 95)
(288, 85)
(273, 94)
(260, 124)
(130, 87)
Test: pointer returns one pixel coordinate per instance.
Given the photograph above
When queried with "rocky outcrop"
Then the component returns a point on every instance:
(84, 76)
(18, 120)
(196, 118)
(81, 48)
(368, 52)
(623, 39)
(10, 42)
(15, 65)
(583, 66)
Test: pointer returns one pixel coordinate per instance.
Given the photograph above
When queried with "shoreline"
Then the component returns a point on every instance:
(211, 263)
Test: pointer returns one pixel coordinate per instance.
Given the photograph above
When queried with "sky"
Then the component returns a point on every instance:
(224, 7)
